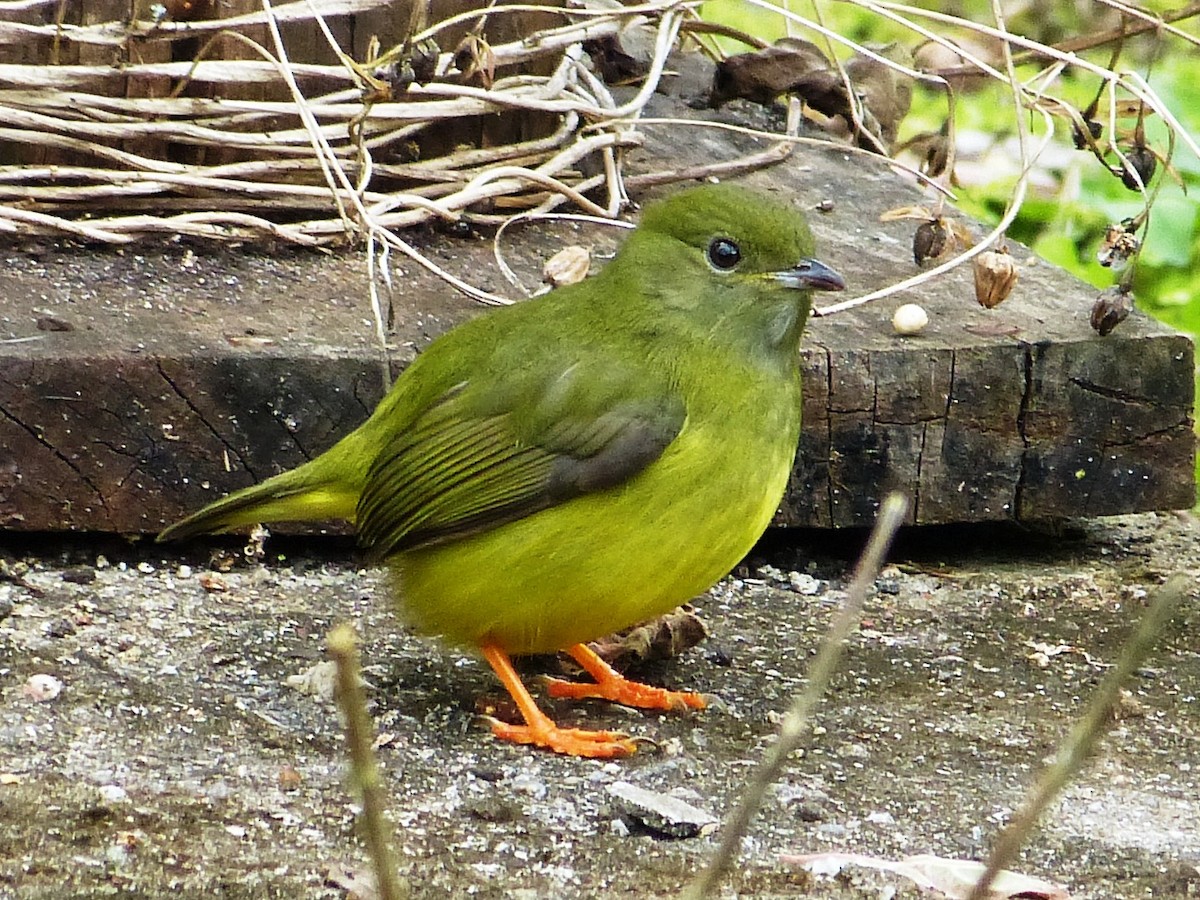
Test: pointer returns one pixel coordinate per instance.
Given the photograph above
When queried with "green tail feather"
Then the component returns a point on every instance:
(313, 492)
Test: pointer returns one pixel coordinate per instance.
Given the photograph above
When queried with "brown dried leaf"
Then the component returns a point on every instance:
(886, 94)
(48, 322)
(763, 75)
(475, 59)
(934, 57)
(212, 583)
(933, 147)
(1128, 109)
(660, 638)
(289, 779)
(993, 329)
(961, 234)
(905, 212)
(800, 67)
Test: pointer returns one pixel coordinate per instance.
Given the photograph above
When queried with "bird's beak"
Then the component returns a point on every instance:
(811, 275)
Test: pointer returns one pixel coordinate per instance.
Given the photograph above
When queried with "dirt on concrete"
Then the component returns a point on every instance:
(167, 753)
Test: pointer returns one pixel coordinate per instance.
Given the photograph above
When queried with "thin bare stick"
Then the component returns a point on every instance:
(796, 721)
(364, 772)
(1085, 736)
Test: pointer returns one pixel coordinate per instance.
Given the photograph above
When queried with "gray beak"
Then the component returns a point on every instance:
(811, 275)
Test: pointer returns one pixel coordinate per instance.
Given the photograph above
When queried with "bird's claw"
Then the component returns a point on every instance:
(570, 741)
(627, 693)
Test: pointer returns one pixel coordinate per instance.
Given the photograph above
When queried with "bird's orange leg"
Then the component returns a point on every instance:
(611, 685)
(539, 729)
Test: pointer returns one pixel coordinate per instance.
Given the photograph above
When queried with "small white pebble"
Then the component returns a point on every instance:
(42, 688)
(113, 793)
(909, 319)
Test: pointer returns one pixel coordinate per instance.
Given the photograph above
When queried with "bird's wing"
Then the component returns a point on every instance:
(483, 455)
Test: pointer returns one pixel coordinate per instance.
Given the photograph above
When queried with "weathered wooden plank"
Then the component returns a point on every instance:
(186, 377)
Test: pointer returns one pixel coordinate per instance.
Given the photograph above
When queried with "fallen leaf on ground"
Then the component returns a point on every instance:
(952, 877)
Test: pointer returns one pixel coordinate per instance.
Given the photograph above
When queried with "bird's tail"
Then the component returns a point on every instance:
(312, 492)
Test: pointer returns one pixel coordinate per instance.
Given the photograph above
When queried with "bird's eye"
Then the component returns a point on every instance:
(723, 254)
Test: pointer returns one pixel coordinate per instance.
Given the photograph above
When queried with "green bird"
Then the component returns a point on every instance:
(557, 470)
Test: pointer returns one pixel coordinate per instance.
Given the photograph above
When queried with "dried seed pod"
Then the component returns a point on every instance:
(424, 60)
(1111, 309)
(567, 266)
(995, 276)
(1141, 160)
(1077, 135)
(937, 155)
(929, 240)
(1119, 245)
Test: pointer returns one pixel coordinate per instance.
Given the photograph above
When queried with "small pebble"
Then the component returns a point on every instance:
(113, 793)
(59, 628)
(42, 688)
(804, 584)
(79, 575)
(660, 812)
(909, 319)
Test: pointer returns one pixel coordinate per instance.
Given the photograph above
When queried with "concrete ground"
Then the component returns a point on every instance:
(168, 754)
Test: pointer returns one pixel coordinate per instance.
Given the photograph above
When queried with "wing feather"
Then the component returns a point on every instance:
(472, 461)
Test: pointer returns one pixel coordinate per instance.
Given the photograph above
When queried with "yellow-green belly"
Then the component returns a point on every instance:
(605, 561)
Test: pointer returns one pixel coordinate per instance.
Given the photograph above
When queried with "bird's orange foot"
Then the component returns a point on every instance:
(571, 741)
(611, 685)
(540, 730)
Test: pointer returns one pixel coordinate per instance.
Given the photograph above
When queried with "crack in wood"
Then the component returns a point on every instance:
(1023, 433)
(916, 500)
(1113, 393)
(1184, 425)
(285, 422)
(829, 431)
(199, 413)
(61, 457)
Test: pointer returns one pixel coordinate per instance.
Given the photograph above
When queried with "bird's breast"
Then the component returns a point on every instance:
(607, 560)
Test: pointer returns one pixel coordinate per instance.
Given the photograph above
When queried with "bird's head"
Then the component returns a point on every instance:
(729, 256)
(742, 236)
(723, 259)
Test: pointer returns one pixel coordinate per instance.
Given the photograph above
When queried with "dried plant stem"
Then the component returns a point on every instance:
(1085, 736)
(796, 721)
(364, 772)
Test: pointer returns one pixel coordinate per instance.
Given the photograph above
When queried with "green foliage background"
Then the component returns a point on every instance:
(1064, 225)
